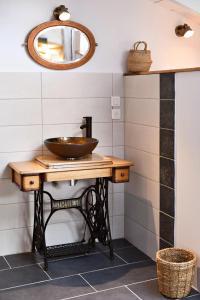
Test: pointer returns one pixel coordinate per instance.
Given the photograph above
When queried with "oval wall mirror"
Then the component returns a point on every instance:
(61, 45)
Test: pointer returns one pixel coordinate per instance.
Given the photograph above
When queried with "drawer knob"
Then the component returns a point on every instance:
(31, 182)
(122, 174)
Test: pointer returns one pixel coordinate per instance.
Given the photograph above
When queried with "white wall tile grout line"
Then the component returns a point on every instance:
(142, 150)
(141, 124)
(134, 172)
(87, 282)
(173, 218)
(167, 187)
(172, 159)
(166, 241)
(133, 293)
(7, 263)
(141, 225)
(71, 98)
(143, 98)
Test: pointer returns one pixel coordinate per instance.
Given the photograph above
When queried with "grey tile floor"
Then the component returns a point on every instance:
(130, 276)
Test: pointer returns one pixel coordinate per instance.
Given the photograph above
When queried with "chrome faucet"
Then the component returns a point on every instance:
(87, 125)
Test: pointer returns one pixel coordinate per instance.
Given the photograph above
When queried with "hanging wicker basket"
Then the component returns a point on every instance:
(139, 60)
(175, 271)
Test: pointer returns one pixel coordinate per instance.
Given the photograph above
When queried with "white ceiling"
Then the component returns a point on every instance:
(193, 4)
(188, 8)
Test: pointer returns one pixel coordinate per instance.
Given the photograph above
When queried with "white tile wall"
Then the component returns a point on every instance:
(142, 86)
(145, 138)
(20, 112)
(20, 85)
(144, 188)
(142, 111)
(143, 214)
(61, 111)
(20, 138)
(142, 202)
(146, 164)
(142, 238)
(76, 85)
(35, 106)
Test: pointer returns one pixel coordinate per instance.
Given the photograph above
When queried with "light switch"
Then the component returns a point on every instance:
(115, 101)
(116, 114)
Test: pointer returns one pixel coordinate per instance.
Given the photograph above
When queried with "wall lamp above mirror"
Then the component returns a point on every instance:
(61, 44)
(61, 13)
(184, 31)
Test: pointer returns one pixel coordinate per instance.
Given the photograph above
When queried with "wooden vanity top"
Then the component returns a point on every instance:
(28, 175)
(33, 167)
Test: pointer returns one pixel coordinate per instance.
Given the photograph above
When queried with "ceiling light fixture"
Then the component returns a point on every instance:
(184, 31)
(61, 13)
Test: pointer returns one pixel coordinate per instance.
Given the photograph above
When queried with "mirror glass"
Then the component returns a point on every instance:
(61, 44)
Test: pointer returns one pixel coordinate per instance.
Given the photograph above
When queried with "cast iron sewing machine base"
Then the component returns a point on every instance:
(92, 204)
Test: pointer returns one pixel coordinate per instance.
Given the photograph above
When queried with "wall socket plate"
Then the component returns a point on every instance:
(116, 114)
(115, 101)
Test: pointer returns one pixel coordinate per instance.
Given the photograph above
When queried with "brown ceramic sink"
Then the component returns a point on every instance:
(71, 147)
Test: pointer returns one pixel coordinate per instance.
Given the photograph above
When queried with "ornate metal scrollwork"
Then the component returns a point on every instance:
(92, 204)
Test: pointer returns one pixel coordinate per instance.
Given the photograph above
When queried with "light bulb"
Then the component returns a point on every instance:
(64, 16)
(188, 34)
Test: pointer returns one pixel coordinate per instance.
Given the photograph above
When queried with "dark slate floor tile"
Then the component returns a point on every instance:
(82, 264)
(197, 297)
(116, 294)
(149, 290)
(51, 290)
(121, 243)
(117, 244)
(3, 264)
(131, 254)
(23, 259)
(123, 275)
(20, 276)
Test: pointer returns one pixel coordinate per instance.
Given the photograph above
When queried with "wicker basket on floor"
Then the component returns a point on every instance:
(175, 271)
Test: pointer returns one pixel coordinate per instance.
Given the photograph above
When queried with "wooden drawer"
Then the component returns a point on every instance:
(27, 183)
(78, 174)
(30, 183)
(120, 175)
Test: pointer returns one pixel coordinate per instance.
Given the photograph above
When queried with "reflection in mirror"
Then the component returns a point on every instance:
(61, 44)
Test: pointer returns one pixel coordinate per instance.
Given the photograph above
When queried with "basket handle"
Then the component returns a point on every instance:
(136, 45)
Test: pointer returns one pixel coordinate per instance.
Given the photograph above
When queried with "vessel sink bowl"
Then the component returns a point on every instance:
(71, 147)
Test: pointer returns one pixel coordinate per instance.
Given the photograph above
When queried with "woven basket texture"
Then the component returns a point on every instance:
(175, 271)
(139, 60)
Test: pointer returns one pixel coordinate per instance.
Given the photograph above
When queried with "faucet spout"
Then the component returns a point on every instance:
(88, 126)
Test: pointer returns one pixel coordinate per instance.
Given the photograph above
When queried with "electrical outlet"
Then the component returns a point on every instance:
(116, 114)
(115, 101)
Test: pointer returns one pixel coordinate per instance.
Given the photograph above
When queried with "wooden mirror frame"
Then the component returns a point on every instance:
(56, 66)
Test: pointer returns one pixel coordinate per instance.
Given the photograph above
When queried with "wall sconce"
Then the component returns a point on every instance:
(184, 31)
(61, 13)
